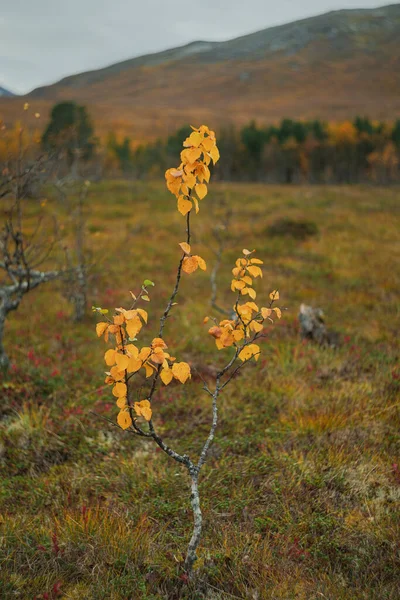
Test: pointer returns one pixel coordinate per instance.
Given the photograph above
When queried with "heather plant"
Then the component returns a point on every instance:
(237, 335)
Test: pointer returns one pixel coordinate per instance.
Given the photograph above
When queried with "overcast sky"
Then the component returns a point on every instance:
(44, 40)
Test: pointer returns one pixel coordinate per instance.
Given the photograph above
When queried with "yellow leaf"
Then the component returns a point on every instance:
(184, 206)
(196, 204)
(124, 419)
(274, 295)
(252, 293)
(158, 356)
(214, 153)
(237, 285)
(278, 312)
(201, 263)
(219, 344)
(149, 370)
(122, 361)
(254, 271)
(133, 326)
(257, 327)
(109, 357)
(134, 365)
(144, 353)
(252, 305)
(190, 264)
(238, 272)
(166, 376)
(256, 261)
(120, 390)
(143, 409)
(119, 319)
(205, 171)
(116, 374)
(195, 139)
(181, 371)
(207, 144)
(206, 319)
(119, 335)
(246, 252)
(190, 155)
(174, 186)
(227, 338)
(190, 180)
(122, 402)
(101, 328)
(158, 343)
(249, 351)
(215, 331)
(244, 309)
(201, 190)
(248, 280)
(238, 334)
(131, 350)
(266, 312)
(128, 314)
(246, 354)
(185, 247)
(143, 314)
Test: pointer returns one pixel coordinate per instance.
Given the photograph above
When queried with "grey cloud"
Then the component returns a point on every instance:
(42, 41)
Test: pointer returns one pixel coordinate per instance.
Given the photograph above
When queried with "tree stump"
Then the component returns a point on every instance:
(312, 326)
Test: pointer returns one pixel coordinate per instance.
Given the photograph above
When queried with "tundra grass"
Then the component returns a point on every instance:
(301, 492)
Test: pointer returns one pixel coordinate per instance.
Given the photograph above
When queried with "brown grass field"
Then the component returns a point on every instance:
(301, 492)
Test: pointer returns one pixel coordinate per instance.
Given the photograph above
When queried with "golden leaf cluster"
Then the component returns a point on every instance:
(189, 181)
(248, 320)
(191, 262)
(245, 270)
(126, 359)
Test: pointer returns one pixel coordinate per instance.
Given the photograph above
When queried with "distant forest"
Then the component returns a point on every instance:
(292, 152)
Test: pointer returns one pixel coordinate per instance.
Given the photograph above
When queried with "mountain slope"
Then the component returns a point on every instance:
(331, 66)
(5, 93)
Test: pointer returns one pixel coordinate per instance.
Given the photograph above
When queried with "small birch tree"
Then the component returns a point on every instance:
(237, 335)
(21, 254)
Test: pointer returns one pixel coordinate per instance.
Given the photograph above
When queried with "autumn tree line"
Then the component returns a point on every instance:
(358, 151)
(292, 152)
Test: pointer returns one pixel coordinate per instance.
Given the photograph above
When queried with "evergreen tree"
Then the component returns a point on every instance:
(70, 130)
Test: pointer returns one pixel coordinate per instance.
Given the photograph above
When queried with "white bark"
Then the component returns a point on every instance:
(191, 555)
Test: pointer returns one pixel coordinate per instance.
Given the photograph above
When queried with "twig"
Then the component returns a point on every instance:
(178, 278)
(111, 422)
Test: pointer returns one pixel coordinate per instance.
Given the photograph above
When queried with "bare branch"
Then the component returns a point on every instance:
(178, 279)
(183, 459)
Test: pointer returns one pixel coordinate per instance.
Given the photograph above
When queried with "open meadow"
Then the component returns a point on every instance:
(301, 492)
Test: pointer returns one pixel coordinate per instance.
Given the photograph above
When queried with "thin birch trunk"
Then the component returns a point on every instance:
(191, 555)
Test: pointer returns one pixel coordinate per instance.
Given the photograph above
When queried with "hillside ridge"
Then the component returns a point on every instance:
(289, 37)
